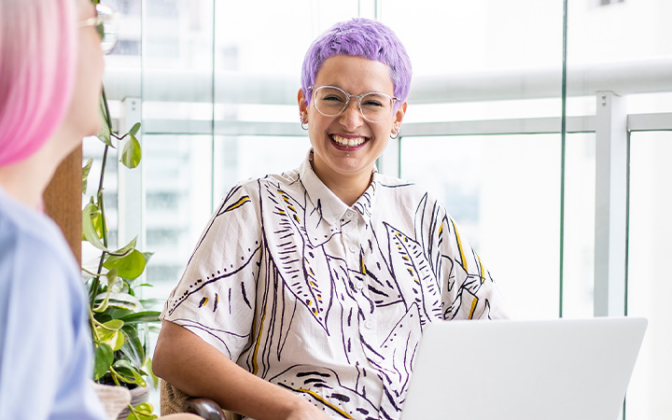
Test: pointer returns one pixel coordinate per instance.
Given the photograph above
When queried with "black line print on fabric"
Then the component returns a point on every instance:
(304, 283)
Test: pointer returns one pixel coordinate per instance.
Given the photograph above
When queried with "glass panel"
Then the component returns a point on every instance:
(465, 53)
(178, 182)
(649, 280)
(617, 46)
(257, 64)
(177, 67)
(579, 240)
(503, 191)
(240, 158)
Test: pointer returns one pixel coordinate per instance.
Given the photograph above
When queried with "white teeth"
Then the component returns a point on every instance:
(348, 142)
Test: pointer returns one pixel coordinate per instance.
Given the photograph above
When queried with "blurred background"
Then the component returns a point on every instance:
(214, 84)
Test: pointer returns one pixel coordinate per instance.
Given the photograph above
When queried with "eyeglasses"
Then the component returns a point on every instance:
(331, 101)
(106, 22)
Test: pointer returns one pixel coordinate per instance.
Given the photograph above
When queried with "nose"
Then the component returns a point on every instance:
(351, 118)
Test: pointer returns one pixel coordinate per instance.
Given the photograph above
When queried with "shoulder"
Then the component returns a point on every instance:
(253, 190)
(412, 195)
(34, 249)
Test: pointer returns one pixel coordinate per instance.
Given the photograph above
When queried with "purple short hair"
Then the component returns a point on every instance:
(363, 38)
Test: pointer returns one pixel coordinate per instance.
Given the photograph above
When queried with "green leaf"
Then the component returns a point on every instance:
(135, 129)
(114, 325)
(111, 276)
(139, 379)
(143, 411)
(132, 153)
(85, 174)
(133, 348)
(104, 134)
(141, 317)
(90, 218)
(150, 370)
(114, 339)
(122, 300)
(130, 266)
(104, 356)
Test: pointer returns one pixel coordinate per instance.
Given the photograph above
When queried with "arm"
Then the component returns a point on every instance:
(195, 367)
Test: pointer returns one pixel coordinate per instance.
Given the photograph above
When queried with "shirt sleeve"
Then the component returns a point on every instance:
(468, 289)
(215, 298)
(46, 355)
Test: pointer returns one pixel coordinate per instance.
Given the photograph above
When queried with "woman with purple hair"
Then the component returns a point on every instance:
(308, 292)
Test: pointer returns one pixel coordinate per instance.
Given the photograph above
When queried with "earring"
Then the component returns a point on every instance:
(396, 135)
(304, 125)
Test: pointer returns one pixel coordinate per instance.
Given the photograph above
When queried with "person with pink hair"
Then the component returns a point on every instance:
(51, 69)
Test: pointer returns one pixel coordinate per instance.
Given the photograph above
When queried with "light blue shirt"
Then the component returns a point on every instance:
(45, 341)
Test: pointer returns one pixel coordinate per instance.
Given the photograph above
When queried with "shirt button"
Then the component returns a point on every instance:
(349, 214)
(369, 324)
(353, 248)
(359, 285)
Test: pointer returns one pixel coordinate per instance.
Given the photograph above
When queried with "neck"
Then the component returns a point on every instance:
(347, 188)
(26, 180)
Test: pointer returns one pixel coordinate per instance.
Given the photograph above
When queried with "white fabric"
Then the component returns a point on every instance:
(325, 300)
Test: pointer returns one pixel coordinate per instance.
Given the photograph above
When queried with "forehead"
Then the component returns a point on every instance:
(355, 75)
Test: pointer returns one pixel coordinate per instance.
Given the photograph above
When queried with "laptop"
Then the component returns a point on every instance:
(524, 370)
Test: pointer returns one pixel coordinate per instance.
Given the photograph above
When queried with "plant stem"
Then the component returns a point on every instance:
(101, 204)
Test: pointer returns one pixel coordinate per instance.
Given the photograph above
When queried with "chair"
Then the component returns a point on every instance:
(175, 401)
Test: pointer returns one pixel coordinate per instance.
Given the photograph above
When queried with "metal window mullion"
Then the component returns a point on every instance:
(610, 204)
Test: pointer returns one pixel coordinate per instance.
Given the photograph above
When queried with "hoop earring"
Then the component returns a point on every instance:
(304, 127)
(396, 136)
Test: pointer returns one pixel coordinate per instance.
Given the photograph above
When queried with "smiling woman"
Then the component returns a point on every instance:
(308, 292)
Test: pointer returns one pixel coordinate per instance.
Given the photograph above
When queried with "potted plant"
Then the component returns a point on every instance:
(119, 320)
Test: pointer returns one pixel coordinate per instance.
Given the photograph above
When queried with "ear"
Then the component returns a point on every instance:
(303, 106)
(399, 114)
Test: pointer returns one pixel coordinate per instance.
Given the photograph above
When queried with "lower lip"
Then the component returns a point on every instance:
(348, 148)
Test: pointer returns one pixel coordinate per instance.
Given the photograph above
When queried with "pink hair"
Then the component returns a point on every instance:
(37, 71)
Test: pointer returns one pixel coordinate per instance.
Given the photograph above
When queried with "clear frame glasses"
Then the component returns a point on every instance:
(331, 101)
(106, 22)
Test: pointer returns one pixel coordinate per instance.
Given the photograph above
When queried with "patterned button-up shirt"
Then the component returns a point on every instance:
(325, 300)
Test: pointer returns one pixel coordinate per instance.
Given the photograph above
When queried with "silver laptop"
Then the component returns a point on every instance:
(524, 370)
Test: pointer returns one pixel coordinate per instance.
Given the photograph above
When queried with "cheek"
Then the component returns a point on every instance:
(88, 85)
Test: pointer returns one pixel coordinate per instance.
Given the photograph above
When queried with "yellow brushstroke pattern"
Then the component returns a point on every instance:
(473, 308)
(440, 228)
(203, 302)
(363, 267)
(482, 269)
(325, 402)
(255, 365)
(237, 204)
(459, 245)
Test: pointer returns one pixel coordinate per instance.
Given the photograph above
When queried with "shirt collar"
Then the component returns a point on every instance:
(327, 203)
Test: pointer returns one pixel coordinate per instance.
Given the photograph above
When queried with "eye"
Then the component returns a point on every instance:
(372, 103)
(333, 98)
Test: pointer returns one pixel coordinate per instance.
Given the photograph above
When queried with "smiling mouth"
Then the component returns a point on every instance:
(348, 142)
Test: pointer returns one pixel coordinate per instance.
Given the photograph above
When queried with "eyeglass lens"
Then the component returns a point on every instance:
(107, 27)
(373, 106)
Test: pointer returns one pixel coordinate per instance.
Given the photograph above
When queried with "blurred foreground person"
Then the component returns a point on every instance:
(51, 69)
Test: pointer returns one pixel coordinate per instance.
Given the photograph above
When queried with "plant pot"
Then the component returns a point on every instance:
(138, 395)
